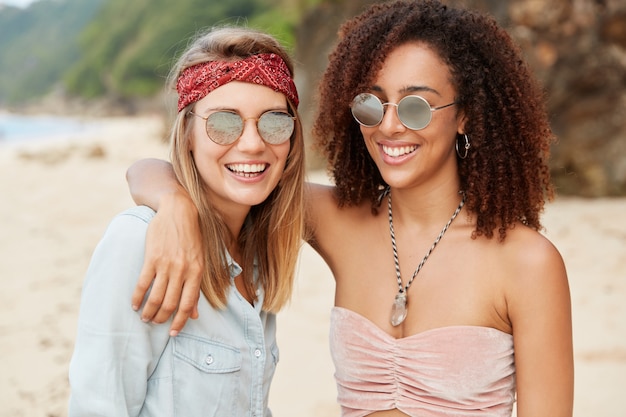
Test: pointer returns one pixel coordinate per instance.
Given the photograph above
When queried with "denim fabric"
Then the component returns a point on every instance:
(219, 365)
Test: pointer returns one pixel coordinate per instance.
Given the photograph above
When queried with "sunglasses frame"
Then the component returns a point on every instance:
(243, 125)
(397, 106)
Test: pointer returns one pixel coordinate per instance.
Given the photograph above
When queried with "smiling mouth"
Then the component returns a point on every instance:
(397, 151)
(247, 170)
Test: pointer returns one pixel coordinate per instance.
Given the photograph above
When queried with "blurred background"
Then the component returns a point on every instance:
(110, 57)
(81, 98)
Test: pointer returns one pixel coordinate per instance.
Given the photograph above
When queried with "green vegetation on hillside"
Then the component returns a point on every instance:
(95, 48)
(38, 44)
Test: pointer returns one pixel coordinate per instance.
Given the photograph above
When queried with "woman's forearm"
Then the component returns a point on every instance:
(149, 180)
(173, 255)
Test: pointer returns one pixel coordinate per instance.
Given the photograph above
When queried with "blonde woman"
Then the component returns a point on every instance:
(237, 150)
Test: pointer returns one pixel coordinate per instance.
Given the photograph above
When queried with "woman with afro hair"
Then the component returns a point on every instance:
(449, 301)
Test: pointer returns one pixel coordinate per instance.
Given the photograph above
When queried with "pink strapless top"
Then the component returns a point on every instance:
(450, 371)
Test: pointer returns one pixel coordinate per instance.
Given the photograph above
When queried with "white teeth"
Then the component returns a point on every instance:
(398, 150)
(247, 168)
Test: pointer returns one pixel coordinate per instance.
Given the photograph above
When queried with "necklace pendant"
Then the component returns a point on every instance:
(398, 310)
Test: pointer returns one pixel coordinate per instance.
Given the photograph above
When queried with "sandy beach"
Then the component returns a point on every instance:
(57, 197)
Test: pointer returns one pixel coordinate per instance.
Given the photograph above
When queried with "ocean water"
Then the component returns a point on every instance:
(16, 128)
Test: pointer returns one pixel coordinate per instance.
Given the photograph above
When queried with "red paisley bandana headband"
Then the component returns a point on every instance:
(269, 70)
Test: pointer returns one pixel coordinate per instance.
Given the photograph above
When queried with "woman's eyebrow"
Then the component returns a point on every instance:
(410, 89)
(419, 89)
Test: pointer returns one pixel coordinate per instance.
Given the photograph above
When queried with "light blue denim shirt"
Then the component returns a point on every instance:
(219, 365)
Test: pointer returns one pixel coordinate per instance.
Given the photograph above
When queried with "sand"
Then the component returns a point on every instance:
(57, 197)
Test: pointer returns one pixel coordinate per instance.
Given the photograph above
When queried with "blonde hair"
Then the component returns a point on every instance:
(272, 233)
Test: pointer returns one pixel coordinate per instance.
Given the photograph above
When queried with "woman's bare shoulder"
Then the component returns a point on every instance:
(328, 222)
(524, 246)
(534, 265)
(323, 206)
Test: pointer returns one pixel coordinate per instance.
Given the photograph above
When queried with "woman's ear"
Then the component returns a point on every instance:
(461, 119)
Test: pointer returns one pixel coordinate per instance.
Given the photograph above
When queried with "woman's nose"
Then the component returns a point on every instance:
(251, 140)
(391, 122)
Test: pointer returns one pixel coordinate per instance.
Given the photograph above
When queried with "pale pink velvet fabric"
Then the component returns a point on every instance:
(461, 371)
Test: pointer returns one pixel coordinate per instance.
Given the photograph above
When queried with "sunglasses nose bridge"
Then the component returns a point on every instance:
(395, 117)
(389, 104)
(244, 122)
(250, 139)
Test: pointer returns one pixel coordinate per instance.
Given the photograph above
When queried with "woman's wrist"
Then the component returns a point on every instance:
(176, 199)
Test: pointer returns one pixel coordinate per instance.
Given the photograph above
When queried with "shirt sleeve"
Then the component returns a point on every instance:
(115, 352)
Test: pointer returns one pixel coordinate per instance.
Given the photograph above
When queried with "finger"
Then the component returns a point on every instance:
(194, 313)
(191, 291)
(155, 298)
(188, 307)
(178, 323)
(143, 285)
(170, 300)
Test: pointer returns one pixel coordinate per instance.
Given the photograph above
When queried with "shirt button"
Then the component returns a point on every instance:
(209, 360)
(257, 353)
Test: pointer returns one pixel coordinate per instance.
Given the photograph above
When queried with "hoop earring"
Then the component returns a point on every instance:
(465, 147)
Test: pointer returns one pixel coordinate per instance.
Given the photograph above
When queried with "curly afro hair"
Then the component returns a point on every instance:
(505, 176)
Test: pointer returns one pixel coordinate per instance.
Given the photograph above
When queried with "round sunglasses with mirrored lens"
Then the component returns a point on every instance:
(413, 111)
(225, 127)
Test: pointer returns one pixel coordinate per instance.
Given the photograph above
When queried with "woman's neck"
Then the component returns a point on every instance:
(234, 218)
(425, 207)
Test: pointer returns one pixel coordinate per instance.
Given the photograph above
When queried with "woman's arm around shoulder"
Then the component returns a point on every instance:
(174, 254)
(539, 309)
